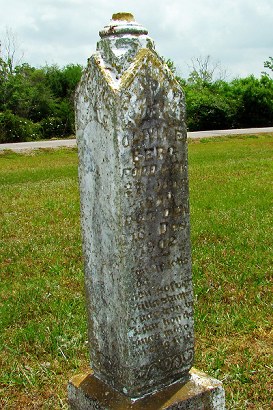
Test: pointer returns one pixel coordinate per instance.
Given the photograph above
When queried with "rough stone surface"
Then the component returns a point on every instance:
(135, 214)
(199, 393)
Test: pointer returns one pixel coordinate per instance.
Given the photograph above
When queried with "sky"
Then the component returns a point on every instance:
(236, 34)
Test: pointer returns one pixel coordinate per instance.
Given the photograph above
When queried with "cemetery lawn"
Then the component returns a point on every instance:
(42, 311)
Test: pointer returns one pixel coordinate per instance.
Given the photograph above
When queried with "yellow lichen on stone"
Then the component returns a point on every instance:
(144, 56)
(123, 17)
(105, 75)
(129, 75)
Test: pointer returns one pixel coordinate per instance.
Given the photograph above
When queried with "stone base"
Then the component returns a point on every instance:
(86, 392)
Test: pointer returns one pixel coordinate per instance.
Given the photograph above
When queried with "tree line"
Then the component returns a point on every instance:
(37, 103)
(219, 104)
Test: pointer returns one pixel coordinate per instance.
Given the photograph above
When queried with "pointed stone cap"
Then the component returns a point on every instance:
(120, 42)
(123, 24)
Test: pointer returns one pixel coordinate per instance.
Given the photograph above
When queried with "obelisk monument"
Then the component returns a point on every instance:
(133, 173)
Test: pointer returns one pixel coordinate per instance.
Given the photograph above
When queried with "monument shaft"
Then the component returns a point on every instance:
(135, 215)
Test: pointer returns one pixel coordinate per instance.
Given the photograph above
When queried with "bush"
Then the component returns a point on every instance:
(52, 127)
(37, 103)
(207, 111)
(242, 103)
(15, 129)
(255, 97)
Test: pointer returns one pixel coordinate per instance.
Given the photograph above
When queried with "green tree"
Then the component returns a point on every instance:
(63, 81)
(43, 96)
(208, 108)
(269, 64)
(254, 101)
(27, 94)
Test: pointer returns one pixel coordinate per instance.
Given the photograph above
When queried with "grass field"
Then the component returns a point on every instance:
(42, 311)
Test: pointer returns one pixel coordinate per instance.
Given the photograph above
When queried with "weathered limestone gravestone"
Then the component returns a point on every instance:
(135, 219)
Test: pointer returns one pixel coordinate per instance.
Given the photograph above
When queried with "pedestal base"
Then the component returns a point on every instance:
(86, 392)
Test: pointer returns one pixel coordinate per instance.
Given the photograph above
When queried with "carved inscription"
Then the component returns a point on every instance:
(155, 184)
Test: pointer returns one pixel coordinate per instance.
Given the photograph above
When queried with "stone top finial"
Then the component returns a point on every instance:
(123, 16)
(122, 24)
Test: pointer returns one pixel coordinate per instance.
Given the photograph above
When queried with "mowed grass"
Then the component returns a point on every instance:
(43, 339)
(42, 306)
(231, 191)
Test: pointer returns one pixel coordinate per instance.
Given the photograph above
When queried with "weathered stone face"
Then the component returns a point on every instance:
(135, 214)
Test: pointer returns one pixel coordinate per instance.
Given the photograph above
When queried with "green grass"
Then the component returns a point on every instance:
(42, 299)
(42, 311)
(231, 218)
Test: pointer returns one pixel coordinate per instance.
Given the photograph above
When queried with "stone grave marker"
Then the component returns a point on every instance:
(133, 173)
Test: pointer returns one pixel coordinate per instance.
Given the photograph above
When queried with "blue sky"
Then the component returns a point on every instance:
(236, 33)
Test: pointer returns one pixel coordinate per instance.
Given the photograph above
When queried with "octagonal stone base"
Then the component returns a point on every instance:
(201, 392)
